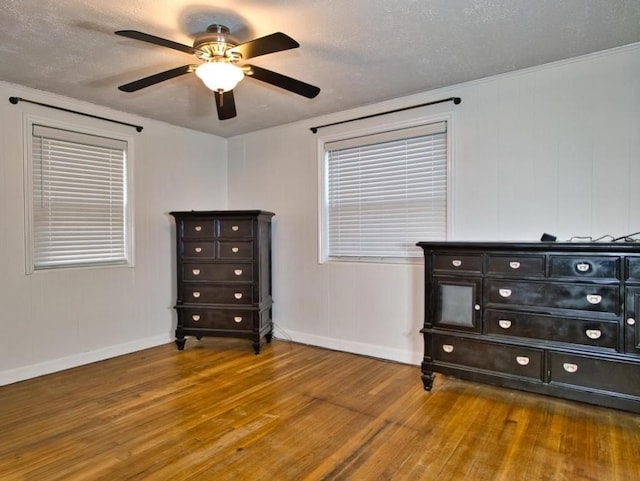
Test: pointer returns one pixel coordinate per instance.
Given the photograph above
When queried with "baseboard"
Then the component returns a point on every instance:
(54, 365)
(372, 350)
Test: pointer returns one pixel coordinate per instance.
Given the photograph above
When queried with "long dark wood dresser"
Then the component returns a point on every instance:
(223, 267)
(547, 317)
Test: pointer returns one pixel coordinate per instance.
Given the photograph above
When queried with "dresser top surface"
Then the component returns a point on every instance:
(592, 247)
(221, 213)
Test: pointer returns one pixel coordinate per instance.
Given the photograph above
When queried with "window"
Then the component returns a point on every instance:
(384, 192)
(78, 207)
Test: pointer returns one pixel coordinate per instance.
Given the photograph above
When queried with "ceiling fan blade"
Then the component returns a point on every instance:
(163, 42)
(226, 105)
(284, 82)
(276, 42)
(156, 78)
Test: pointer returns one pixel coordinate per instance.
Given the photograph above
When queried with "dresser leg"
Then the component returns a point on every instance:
(257, 347)
(268, 337)
(427, 380)
(180, 343)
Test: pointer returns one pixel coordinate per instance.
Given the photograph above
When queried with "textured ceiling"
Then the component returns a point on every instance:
(357, 51)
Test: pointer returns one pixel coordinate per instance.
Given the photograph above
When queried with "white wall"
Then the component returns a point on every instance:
(553, 149)
(52, 320)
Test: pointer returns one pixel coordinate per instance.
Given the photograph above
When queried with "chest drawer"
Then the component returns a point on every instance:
(234, 249)
(457, 263)
(596, 333)
(589, 267)
(513, 360)
(595, 373)
(235, 228)
(633, 269)
(516, 265)
(203, 294)
(198, 249)
(556, 295)
(235, 272)
(198, 228)
(217, 319)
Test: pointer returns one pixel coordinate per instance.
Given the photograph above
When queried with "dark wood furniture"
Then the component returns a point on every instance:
(551, 318)
(224, 275)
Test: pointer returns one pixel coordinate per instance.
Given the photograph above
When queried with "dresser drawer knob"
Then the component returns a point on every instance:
(447, 347)
(456, 262)
(198, 249)
(631, 321)
(235, 228)
(196, 272)
(583, 267)
(238, 319)
(594, 333)
(569, 367)
(238, 272)
(594, 298)
(514, 265)
(234, 250)
(504, 292)
(198, 228)
(195, 317)
(477, 307)
(522, 360)
(238, 295)
(196, 294)
(504, 323)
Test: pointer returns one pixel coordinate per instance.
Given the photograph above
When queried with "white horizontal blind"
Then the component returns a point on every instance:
(386, 192)
(79, 197)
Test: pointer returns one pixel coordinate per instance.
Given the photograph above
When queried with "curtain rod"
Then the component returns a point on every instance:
(455, 100)
(15, 100)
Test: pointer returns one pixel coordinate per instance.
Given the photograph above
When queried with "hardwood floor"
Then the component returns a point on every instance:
(218, 412)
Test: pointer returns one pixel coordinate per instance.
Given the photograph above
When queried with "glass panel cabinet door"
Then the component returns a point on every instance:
(631, 321)
(457, 303)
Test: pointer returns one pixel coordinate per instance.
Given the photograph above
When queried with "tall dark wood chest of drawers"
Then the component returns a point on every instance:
(224, 275)
(551, 318)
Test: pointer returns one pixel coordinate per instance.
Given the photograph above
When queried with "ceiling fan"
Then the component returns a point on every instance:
(220, 55)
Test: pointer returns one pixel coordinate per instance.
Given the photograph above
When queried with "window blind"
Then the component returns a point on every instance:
(79, 198)
(386, 192)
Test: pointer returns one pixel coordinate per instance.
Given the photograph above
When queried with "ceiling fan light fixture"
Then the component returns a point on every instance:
(220, 75)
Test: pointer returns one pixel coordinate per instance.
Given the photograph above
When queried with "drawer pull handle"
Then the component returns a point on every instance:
(238, 319)
(456, 262)
(238, 272)
(594, 298)
(235, 228)
(234, 250)
(198, 228)
(594, 333)
(504, 323)
(447, 347)
(198, 249)
(196, 272)
(569, 367)
(195, 317)
(477, 307)
(196, 294)
(583, 267)
(631, 321)
(522, 360)
(504, 292)
(514, 265)
(238, 295)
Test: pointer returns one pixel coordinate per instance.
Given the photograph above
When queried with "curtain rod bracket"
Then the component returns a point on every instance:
(455, 100)
(15, 100)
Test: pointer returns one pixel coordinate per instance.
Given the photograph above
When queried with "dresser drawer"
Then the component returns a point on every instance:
(633, 269)
(513, 360)
(198, 228)
(595, 373)
(236, 272)
(515, 265)
(198, 249)
(203, 294)
(457, 263)
(588, 267)
(575, 296)
(235, 228)
(217, 319)
(596, 333)
(234, 249)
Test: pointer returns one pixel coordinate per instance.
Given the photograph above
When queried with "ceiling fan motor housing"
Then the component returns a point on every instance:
(216, 41)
